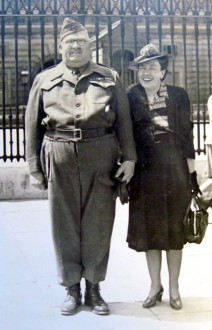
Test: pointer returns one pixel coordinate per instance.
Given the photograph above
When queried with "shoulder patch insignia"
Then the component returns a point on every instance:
(104, 82)
(106, 79)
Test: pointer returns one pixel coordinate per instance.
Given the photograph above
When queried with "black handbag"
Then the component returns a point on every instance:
(195, 223)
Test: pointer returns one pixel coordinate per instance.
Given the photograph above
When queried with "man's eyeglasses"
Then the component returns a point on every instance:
(80, 42)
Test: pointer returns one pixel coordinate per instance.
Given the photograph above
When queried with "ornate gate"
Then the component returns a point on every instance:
(118, 29)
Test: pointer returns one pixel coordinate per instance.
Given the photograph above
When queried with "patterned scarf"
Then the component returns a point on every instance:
(160, 100)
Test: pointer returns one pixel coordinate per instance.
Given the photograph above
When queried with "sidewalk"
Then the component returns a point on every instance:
(31, 297)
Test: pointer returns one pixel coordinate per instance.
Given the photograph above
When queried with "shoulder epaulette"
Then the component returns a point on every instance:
(49, 67)
(109, 70)
(106, 66)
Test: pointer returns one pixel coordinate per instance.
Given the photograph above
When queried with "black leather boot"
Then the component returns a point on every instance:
(94, 299)
(72, 301)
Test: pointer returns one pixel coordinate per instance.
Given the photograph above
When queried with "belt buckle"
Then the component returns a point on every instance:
(77, 132)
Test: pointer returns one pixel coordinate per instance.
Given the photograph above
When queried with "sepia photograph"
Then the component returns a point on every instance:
(106, 164)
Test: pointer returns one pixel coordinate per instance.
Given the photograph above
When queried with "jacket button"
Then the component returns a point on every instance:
(78, 105)
(78, 116)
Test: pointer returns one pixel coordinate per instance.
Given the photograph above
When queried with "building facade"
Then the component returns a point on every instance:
(118, 29)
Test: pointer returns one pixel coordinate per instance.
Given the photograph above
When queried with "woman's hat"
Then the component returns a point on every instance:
(147, 53)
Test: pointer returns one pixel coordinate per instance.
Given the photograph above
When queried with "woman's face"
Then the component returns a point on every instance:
(150, 74)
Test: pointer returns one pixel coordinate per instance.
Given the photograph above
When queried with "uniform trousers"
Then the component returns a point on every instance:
(82, 204)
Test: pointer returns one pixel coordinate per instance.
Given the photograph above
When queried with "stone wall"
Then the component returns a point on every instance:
(15, 184)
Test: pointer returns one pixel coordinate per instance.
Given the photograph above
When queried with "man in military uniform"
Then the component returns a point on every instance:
(77, 122)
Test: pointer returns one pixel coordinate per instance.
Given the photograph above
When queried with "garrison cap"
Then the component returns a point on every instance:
(70, 27)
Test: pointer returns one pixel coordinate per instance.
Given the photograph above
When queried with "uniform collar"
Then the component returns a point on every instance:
(60, 70)
(93, 67)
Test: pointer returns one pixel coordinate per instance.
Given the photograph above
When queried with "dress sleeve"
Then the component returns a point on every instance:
(186, 125)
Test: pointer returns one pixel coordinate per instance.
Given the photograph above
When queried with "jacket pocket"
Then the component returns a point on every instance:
(46, 159)
(50, 84)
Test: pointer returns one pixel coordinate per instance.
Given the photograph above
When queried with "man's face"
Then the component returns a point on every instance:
(76, 49)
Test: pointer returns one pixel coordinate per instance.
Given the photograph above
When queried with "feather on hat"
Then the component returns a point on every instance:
(147, 53)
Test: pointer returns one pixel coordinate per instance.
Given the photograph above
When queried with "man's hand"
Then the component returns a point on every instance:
(126, 171)
(38, 181)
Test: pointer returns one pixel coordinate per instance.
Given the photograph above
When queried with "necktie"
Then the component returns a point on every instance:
(76, 74)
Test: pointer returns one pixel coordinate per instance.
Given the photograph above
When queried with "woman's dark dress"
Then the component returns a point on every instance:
(159, 190)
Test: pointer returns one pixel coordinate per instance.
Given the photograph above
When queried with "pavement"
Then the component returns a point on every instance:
(31, 296)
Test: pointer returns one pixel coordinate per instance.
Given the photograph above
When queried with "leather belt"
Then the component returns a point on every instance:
(77, 134)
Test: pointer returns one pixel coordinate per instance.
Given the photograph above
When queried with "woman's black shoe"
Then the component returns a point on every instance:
(150, 302)
(176, 303)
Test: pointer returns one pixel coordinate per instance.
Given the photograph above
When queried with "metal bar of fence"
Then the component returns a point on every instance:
(204, 127)
(110, 50)
(29, 46)
(146, 14)
(110, 35)
(208, 29)
(42, 34)
(55, 29)
(135, 38)
(4, 156)
(16, 60)
(185, 51)
(122, 49)
(24, 133)
(197, 80)
(96, 15)
(173, 52)
(122, 42)
(97, 39)
(11, 134)
(159, 24)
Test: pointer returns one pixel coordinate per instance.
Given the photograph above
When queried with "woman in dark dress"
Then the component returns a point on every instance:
(160, 191)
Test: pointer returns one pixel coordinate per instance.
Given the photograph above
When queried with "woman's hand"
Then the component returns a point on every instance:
(194, 184)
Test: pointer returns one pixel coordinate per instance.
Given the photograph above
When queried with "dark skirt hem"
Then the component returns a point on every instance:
(142, 249)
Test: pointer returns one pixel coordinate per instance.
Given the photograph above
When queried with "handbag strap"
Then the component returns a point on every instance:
(196, 202)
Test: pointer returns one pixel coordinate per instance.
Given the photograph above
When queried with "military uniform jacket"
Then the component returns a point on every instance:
(57, 100)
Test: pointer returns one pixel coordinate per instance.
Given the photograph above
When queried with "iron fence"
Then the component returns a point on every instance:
(118, 29)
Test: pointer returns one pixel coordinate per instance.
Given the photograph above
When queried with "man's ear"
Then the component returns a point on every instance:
(163, 74)
(60, 48)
